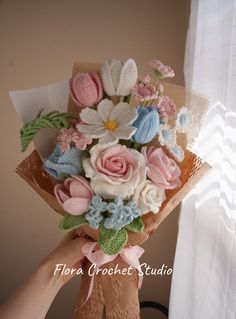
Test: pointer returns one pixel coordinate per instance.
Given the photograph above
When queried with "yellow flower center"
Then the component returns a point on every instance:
(111, 125)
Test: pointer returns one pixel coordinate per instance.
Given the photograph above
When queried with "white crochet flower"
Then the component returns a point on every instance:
(109, 123)
(166, 135)
(184, 120)
(149, 198)
(118, 78)
(115, 170)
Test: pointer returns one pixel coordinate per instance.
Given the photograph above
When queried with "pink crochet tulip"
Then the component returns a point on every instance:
(86, 89)
(162, 170)
(75, 195)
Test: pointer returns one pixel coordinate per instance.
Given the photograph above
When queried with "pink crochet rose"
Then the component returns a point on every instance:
(162, 170)
(70, 136)
(165, 71)
(74, 195)
(115, 170)
(86, 89)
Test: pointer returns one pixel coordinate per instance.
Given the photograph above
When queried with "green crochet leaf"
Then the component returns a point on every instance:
(53, 119)
(70, 222)
(136, 225)
(112, 241)
(127, 98)
(63, 176)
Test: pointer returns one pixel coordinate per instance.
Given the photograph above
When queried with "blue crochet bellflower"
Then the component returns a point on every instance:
(60, 163)
(147, 124)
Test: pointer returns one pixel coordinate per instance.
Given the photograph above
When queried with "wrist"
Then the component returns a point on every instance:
(46, 269)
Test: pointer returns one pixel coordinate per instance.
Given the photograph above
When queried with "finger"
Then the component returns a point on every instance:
(67, 237)
(75, 248)
(77, 265)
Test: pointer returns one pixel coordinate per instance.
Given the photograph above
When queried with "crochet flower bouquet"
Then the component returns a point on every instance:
(115, 163)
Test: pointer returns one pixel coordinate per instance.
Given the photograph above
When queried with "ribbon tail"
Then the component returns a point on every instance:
(131, 256)
(140, 279)
(88, 294)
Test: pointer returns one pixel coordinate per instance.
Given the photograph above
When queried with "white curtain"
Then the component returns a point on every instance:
(204, 278)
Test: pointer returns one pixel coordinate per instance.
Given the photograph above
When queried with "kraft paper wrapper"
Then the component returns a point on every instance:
(117, 295)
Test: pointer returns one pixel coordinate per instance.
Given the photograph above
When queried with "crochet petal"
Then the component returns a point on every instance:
(93, 131)
(90, 116)
(107, 80)
(104, 109)
(83, 181)
(67, 183)
(156, 176)
(116, 67)
(128, 77)
(147, 125)
(123, 113)
(98, 84)
(76, 206)
(125, 132)
(61, 193)
(84, 89)
(79, 190)
(108, 138)
(72, 94)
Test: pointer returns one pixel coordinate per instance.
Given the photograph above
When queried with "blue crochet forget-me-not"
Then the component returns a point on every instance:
(147, 124)
(60, 163)
(96, 207)
(121, 214)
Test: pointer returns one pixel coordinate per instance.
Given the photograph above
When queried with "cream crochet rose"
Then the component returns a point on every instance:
(115, 171)
(149, 198)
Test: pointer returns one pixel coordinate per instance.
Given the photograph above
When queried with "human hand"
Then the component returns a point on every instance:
(34, 297)
(68, 253)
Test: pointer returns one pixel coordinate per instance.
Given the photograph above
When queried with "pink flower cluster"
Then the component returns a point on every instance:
(165, 70)
(71, 136)
(166, 107)
(144, 91)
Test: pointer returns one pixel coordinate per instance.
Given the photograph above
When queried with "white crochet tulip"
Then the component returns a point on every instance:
(119, 77)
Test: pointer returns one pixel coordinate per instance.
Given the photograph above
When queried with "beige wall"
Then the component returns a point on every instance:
(39, 42)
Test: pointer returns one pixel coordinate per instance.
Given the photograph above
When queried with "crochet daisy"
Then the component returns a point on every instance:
(108, 123)
(166, 135)
(183, 120)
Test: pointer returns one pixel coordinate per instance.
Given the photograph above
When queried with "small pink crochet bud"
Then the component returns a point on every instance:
(86, 89)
